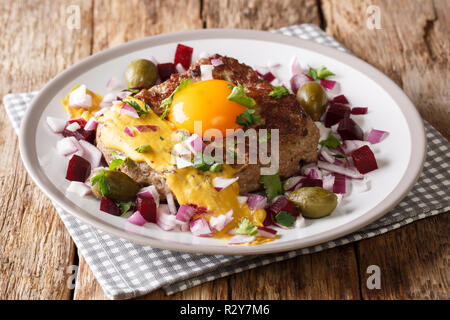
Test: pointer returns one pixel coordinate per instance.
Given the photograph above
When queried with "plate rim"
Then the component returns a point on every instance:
(406, 183)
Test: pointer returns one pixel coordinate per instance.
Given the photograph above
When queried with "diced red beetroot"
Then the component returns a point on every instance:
(308, 182)
(339, 186)
(165, 70)
(349, 130)
(147, 207)
(340, 99)
(109, 206)
(283, 204)
(183, 55)
(79, 134)
(267, 76)
(335, 113)
(78, 169)
(364, 159)
(359, 110)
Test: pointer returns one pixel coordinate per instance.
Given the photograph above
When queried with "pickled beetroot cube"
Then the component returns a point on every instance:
(340, 99)
(147, 208)
(78, 169)
(183, 55)
(349, 130)
(109, 206)
(165, 70)
(359, 110)
(267, 77)
(364, 159)
(308, 182)
(283, 204)
(335, 113)
(79, 134)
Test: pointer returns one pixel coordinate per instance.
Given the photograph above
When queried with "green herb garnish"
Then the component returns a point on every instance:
(161, 138)
(216, 167)
(330, 142)
(238, 95)
(339, 156)
(138, 109)
(100, 179)
(247, 118)
(246, 227)
(133, 90)
(125, 206)
(265, 138)
(117, 155)
(116, 163)
(278, 92)
(203, 162)
(285, 219)
(167, 102)
(143, 148)
(272, 185)
(319, 73)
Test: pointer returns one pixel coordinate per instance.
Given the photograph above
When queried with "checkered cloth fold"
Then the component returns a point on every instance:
(125, 269)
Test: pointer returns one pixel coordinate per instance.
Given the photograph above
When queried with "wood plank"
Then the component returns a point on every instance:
(331, 274)
(113, 24)
(413, 49)
(259, 14)
(35, 247)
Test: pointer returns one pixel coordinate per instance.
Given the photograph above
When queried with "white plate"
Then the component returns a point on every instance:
(400, 156)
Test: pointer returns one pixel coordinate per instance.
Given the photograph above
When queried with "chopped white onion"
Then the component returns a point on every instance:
(79, 188)
(242, 200)
(221, 221)
(206, 71)
(91, 154)
(66, 146)
(300, 222)
(221, 183)
(78, 98)
(182, 163)
(57, 125)
(91, 124)
(180, 68)
(74, 126)
(171, 203)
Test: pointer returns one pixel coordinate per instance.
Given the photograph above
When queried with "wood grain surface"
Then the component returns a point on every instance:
(412, 47)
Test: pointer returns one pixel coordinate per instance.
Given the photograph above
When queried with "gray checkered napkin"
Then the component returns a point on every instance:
(125, 269)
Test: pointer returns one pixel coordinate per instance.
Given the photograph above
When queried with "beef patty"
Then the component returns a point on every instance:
(297, 132)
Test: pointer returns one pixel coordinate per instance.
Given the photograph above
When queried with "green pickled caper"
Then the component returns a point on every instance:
(314, 202)
(141, 74)
(313, 99)
(121, 186)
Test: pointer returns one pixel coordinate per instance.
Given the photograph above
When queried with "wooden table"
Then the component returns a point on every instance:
(412, 47)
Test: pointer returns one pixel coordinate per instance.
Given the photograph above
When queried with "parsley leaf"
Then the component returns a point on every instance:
(330, 142)
(246, 227)
(203, 162)
(247, 118)
(319, 73)
(278, 92)
(132, 90)
(238, 95)
(117, 155)
(136, 107)
(265, 138)
(285, 219)
(116, 163)
(143, 148)
(216, 167)
(125, 206)
(100, 179)
(339, 156)
(272, 185)
(167, 102)
(161, 138)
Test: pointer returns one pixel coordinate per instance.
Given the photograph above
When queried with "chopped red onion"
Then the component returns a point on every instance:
(376, 136)
(328, 182)
(123, 94)
(149, 192)
(216, 62)
(348, 146)
(221, 183)
(266, 232)
(292, 182)
(221, 221)
(185, 213)
(91, 124)
(298, 80)
(100, 112)
(180, 68)
(165, 220)
(296, 68)
(57, 125)
(129, 111)
(256, 201)
(195, 143)
(91, 153)
(67, 146)
(327, 155)
(137, 219)
(241, 239)
(146, 127)
(349, 172)
(171, 203)
(327, 84)
(79, 188)
(200, 228)
(128, 131)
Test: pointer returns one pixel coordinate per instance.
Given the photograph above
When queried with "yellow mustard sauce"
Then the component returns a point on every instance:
(76, 112)
(189, 185)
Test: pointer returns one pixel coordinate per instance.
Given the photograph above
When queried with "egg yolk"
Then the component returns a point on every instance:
(205, 101)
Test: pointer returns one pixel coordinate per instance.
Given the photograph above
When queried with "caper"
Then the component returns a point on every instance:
(313, 99)
(314, 202)
(141, 74)
(121, 186)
